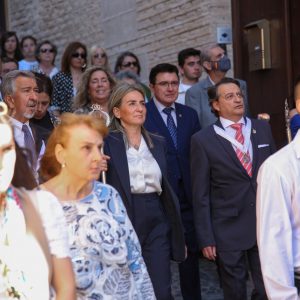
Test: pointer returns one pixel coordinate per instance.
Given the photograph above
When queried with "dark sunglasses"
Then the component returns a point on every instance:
(51, 50)
(77, 55)
(99, 55)
(133, 63)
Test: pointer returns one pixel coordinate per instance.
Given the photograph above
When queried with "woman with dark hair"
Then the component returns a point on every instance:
(33, 240)
(45, 55)
(128, 61)
(10, 46)
(65, 82)
(138, 170)
(94, 88)
(105, 251)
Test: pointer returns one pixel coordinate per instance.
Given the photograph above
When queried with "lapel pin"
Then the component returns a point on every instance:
(254, 131)
(180, 115)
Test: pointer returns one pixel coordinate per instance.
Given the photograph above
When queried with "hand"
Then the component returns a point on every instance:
(210, 252)
(103, 164)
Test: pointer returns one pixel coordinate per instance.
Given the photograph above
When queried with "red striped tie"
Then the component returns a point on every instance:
(244, 158)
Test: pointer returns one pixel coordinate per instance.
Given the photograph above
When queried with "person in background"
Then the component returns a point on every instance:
(32, 230)
(28, 47)
(65, 82)
(8, 64)
(99, 57)
(45, 55)
(43, 116)
(94, 87)
(10, 46)
(138, 170)
(190, 70)
(19, 91)
(105, 251)
(128, 61)
(162, 112)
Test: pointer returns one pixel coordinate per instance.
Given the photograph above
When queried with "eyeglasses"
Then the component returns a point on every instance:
(131, 63)
(231, 96)
(166, 84)
(97, 55)
(77, 55)
(51, 50)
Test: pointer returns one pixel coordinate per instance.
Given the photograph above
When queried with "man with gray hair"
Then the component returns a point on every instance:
(19, 91)
(216, 64)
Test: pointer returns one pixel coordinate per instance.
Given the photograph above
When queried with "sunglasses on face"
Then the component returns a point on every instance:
(77, 55)
(131, 63)
(51, 50)
(99, 55)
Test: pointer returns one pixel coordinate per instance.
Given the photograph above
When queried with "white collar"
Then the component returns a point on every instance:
(160, 106)
(226, 122)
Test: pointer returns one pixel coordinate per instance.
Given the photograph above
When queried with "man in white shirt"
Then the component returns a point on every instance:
(190, 71)
(19, 90)
(278, 221)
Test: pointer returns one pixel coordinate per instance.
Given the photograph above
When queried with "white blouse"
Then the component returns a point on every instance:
(144, 171)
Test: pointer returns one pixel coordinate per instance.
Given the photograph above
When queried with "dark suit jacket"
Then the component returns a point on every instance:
(223, 192)
(178, 159)
(118, 177)
(40, 135)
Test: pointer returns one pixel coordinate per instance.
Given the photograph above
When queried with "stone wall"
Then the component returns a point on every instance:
(153, 29)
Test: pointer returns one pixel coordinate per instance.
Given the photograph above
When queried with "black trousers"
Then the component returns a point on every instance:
(233, 270)
(153, 231)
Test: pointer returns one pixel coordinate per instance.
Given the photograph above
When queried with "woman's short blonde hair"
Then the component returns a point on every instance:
(50, 167)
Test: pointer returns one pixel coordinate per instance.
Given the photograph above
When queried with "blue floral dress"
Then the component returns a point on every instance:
(105, 250)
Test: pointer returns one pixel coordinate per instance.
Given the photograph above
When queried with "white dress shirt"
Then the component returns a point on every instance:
(161, 107)
(144, 171)
(230, 131)
(278, 221)
(181, 92)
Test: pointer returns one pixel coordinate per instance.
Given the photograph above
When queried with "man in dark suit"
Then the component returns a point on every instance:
(225, 158)
(216, 64)
(177, 123)
(19, 91)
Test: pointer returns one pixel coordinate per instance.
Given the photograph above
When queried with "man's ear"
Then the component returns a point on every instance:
(181, 71)
(207, 65)
(9, 100)
(215, 105)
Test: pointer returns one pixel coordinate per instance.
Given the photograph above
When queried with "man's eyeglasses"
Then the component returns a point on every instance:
(98, 55)
(51, 50)
(77, 55)
(166, 84)
(231, 96)
(131, 63)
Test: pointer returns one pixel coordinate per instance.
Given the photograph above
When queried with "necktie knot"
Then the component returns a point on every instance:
(237, 127)
(168, 110)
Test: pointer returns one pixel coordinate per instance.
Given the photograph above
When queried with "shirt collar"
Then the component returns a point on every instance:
(160, 106)
(17, 123)
(227, 123)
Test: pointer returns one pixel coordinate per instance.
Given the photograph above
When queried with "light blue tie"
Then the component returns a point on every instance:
(171, 124)
(30, 145)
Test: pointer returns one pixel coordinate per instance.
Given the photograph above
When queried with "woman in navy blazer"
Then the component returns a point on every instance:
(137, 169)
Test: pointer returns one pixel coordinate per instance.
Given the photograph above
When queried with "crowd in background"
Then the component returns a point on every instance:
(122, 177)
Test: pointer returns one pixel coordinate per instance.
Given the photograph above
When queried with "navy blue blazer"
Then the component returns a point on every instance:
(178, 160)
(224, 195)
(118, 176)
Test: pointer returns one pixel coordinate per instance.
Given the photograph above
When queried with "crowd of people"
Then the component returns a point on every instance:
(104, 180)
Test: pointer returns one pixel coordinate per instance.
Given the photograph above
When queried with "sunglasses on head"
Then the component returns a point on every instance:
(97, 55)
(131, 63)
(77, 55)
(51, 50)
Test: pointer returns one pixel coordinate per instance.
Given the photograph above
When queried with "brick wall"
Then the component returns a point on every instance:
(154, 29)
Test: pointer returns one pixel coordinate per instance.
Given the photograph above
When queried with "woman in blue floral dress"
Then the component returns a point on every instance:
(105, 251)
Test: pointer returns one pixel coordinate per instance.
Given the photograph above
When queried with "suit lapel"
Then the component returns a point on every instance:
(254, 149)
(180, 117)
(118, 156)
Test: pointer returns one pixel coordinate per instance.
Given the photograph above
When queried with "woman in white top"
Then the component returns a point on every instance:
(137, 169)
(33, 242)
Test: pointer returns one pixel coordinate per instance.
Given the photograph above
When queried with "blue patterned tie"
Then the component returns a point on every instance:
(30, 145)
(171, 124)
